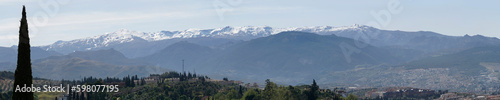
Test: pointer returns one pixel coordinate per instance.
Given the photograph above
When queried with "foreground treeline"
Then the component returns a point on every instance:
(272, 91)
(187, 86)
(202, 88)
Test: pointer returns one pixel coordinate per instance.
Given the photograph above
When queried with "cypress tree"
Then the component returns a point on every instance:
(240, 92)
(143, 81)
(22, 74)
(77, 96)
(73, 95)
(136, 78)
(127, 81)
(81, 97)
(132, 83)
(313, 94)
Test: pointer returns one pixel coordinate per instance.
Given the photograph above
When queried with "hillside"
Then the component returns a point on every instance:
(110, 56)
(171, 57)
(139, 44)
(467, 61)
(98, 63)
(280, 57)
(76, 68)
(472, 70)
(9, 54)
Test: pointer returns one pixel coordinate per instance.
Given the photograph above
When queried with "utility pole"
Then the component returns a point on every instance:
(182, 65)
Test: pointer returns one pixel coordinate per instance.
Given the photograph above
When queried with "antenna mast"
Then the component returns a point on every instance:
(182, 65)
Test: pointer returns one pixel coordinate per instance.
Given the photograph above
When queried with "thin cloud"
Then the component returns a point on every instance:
(70, 22)
(106, 17)
(9, 24)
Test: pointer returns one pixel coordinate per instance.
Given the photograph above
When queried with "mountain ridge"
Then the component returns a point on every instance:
(229, 32)
(279, 57)
(121, 40)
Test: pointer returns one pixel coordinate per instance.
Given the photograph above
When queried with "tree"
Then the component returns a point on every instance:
(77, 96)
(240, 91)
(255, 85)
(314, 91)
(295, 93)
(82, 97)
(233, 94)
(143, 82)
(225, 79)
(269, 90)
(189, 75)
(251, 95)
(201, 78)
(72, 95)
(132, 82)
(351, 97)
(23, 75)
(127, 81)
(136, 78)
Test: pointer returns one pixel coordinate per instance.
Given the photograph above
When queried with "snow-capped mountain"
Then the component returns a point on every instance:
(236, 33)
(137, 44)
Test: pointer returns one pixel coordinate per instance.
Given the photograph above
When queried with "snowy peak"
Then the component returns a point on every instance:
(322, 29)
(128, 35)
(242, 31)
(125, 35)
(224, 32)
(228, 32)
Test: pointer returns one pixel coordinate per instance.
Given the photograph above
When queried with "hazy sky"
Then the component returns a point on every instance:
(52, 20)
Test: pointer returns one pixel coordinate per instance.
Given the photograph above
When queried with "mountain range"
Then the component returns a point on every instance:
(251, 53)
(134, 43)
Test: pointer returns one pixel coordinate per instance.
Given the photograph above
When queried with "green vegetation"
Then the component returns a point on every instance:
(182, 86)
(48, 95)
(223, 90)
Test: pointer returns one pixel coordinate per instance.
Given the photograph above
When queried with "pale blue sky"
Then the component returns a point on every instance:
(72, 19)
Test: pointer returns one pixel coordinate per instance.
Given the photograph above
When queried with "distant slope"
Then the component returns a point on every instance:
(471, 70)
(110, 56)
(284, 57)
(429, 42)
(291, 56)
(171, 57)
(467, 61)
(138, 44)
(7, 66)
(98, 63)
(9, 54)
(76, 68)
